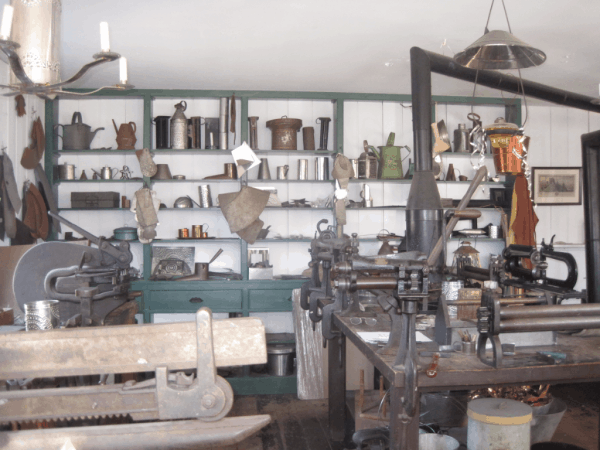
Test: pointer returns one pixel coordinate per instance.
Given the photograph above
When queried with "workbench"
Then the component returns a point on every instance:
(459, 372)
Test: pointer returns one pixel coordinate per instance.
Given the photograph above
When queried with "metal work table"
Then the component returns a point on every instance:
(460, 372)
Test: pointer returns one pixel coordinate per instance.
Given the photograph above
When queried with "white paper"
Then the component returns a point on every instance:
(376, 337)
(244, 152)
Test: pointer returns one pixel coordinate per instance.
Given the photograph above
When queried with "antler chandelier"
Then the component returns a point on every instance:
(30, 38)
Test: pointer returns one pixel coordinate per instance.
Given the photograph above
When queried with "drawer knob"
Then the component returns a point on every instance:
(196, 300)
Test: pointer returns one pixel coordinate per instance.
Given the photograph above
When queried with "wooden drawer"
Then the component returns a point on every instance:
(271, 300)
(226, 300)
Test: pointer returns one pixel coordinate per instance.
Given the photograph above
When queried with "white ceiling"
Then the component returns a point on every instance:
(326, 45)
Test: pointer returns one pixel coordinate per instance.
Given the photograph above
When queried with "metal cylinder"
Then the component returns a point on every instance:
(66, 171)
(205, 198)
(42, 315)
(36, 28)
(376, 283)
(195, 132)
(184, 233)
(303, 169)
(585, 309)
(197, 231)
(253, 120)
(354, 163)
(548, 324)
(308, 138)
(223, 123)
(280, 359)
(283, 133)
(324, 134)
(322, 168)
(162, 131)
(211, 133)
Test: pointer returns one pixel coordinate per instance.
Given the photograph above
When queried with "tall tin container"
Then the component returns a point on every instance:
(36, 27)
(179, 127)
(223, 123)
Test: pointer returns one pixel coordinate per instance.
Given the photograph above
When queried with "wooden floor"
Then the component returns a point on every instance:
(296, 424)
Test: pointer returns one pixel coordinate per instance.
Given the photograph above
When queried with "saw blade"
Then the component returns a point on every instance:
(89, 402)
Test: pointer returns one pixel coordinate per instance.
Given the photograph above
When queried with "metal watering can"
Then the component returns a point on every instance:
(390, 159)
(78, 135)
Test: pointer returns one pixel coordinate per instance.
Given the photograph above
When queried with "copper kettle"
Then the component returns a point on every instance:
(125, 135)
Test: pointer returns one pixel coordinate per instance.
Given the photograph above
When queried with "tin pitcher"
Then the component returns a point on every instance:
(125, 135)
(390, 160)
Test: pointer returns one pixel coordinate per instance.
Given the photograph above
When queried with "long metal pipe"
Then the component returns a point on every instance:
(376, 283)
(549, 324)
(587, 310)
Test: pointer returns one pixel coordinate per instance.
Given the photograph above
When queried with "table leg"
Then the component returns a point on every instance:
(403, 435)
(337, 388)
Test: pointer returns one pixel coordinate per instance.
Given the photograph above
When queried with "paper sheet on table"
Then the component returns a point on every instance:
(245, 158)
(376, 337)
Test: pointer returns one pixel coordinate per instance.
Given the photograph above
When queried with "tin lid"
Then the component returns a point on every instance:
(284, 122)
(501, 126)
(280, 349)
(465, 249)
(499, 411)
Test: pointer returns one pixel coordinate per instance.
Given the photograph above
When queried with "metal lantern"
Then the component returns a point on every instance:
(179, 127)
(465, 255)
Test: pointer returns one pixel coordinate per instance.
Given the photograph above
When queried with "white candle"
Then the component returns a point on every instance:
(104, 40)
(7, 18)
(123, 70)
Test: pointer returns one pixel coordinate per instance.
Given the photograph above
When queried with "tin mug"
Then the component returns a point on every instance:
(184, 233)
(282, 172)
(196, 231)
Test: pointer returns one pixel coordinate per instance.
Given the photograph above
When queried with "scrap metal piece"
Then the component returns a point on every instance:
(242, 208)
(145, 436)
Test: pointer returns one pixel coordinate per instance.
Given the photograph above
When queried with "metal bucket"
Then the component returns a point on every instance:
(545, 422)
(505, 161)
(280, 359)
(283, 133)
(432, 441)
(42, 315)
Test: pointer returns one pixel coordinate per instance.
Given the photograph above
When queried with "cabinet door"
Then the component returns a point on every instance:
(226, 300)
(271, 300)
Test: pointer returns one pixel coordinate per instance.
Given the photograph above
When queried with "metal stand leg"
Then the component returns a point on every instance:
(337, 388)
(404, 435)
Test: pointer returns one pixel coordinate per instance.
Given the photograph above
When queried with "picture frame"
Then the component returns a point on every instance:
(556, 185)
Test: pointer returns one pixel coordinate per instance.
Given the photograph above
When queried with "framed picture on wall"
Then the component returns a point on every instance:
(556, 185)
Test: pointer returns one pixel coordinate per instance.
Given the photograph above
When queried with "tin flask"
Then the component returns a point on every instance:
(179, 127)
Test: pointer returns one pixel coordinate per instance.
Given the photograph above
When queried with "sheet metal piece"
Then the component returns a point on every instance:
(124, 349)
(41, 178)
(145, 436)
(11, 184)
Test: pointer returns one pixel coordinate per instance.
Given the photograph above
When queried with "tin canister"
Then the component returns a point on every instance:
(179, 127)
(42, 315)
(303, 169)
(184, 233)
(354, 163)
(283, 133)
(66, 171)
(308, 138)
(322, 168)
(205, 197)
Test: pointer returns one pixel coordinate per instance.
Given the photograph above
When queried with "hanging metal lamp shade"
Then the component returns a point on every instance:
(499, 50)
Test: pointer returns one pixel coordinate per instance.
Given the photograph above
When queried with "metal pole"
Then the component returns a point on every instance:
(548, 324)
(403, 435)
(534, 312)
(337, 388)
(590, 154)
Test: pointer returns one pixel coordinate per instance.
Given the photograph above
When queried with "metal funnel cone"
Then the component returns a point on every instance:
(499, 50)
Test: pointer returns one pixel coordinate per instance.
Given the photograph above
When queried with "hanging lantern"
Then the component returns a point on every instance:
(465, 255)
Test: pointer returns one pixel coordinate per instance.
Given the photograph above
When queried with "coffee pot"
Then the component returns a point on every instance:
(77, 135)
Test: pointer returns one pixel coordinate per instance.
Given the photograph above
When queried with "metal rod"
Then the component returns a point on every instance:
(588, 310)
(590, 155)
(376, 283)
(548, 324)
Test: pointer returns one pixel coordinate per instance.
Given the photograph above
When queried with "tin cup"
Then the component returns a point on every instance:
(184, 233)
(466, 347)
(205, 198)
(42, 315)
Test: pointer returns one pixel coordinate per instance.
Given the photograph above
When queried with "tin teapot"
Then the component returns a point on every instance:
(77, 135)
(125, 135)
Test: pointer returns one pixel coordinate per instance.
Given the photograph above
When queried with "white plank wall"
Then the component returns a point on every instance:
(15, 132)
